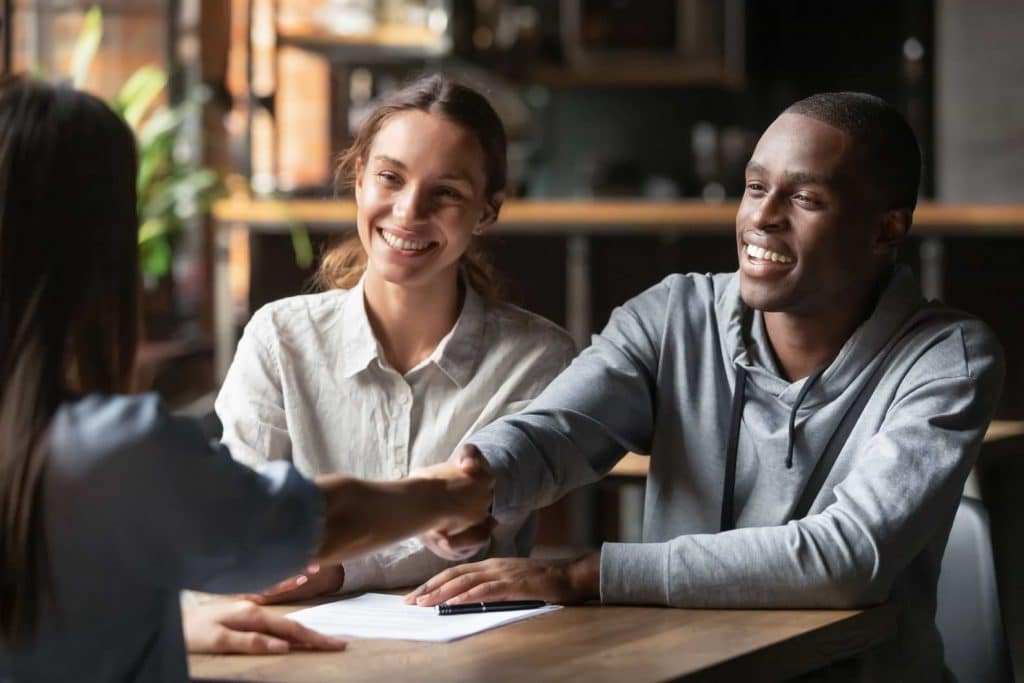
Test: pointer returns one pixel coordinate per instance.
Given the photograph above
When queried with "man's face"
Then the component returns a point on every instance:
(807, 227)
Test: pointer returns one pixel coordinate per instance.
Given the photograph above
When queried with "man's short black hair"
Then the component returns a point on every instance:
(891, 152)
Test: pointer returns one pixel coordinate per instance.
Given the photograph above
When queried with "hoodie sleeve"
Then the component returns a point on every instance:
(901, 492)
(572, 434)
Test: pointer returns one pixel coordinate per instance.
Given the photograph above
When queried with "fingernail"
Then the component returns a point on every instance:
(278, 646)
(312, 568)
(301, 579)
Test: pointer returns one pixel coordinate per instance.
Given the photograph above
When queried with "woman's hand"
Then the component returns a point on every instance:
(513, 578)
(243, 627)
(313, 582)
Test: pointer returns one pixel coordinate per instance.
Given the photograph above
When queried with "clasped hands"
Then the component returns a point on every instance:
(459, 507)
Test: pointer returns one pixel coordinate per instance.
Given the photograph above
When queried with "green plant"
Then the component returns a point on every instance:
(172, 190)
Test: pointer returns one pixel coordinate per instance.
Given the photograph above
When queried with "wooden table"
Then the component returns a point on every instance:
(594, 643)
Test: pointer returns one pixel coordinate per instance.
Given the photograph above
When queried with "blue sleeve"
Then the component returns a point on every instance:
(176, 510)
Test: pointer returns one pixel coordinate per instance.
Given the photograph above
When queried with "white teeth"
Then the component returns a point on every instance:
(767, 255)
(406, 245)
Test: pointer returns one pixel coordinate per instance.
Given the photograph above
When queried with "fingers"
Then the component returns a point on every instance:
(311, 584)
(297, 635)
(472, 461)
(248, 643)
(462, 545)
(461, 576)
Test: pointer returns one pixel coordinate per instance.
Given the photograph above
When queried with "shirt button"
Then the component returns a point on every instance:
(404, 399)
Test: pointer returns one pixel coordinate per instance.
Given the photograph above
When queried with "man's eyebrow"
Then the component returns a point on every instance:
(795, 177)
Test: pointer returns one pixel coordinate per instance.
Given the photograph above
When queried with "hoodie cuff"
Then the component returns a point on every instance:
(635, 573)
(505, 507)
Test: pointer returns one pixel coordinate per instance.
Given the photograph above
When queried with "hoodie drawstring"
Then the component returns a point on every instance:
(732, 449)
(728, 523)
(792, 414)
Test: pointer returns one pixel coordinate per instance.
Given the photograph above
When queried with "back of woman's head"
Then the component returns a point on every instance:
(68, 282)
(343, 264)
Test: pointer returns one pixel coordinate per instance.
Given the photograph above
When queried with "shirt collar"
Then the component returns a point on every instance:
(456, 355)
(358, 345)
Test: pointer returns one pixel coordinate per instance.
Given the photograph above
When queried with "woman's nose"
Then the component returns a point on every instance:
(409, 206)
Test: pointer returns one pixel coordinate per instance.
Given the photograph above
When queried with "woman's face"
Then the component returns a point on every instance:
(421, 197)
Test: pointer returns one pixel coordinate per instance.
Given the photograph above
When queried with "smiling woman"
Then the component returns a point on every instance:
(408, 351)
(439, 106)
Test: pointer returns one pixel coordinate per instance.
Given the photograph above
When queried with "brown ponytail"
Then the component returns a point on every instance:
(344, 260)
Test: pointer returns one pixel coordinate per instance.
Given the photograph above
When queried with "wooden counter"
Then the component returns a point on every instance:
(611, 217)
(634, 466)
(577, 222)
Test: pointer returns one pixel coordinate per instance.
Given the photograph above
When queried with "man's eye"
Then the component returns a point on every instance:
(449, 193)
(804, 199)
(755, 186)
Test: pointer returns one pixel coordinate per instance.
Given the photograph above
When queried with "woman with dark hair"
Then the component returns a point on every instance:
(409, 350)
(108, 505)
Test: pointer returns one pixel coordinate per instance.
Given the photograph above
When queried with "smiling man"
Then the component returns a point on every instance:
(810, 419)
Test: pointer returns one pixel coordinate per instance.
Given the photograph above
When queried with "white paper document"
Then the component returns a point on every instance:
(374, 615)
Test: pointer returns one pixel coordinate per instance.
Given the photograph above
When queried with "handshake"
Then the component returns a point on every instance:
(448, 505)
(469, 530)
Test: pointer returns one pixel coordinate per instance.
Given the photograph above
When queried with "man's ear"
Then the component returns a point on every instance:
(893, 229)
(492, 207)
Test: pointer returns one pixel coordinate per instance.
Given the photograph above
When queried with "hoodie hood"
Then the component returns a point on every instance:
(746, 344)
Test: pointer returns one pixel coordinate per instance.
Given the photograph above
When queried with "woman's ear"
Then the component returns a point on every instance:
(492, 207)
(358, 169)
(893, 229)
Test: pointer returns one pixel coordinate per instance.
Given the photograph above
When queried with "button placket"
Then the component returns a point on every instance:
(402, 414)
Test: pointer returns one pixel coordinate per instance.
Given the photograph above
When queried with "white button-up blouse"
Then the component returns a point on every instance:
(309, 383)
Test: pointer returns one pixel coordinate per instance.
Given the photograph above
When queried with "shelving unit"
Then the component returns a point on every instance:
(324, 60)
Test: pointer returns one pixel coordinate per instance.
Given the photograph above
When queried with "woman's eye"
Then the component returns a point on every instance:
(387, 177)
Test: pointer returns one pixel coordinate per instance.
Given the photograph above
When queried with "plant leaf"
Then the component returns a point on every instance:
(86, 45)
(156, 257)
(139, 93)
(301, 245)
(151, 229)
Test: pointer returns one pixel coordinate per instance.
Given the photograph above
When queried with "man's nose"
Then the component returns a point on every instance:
(767, 214)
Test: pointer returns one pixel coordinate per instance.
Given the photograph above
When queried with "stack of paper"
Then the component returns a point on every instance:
(374, 615)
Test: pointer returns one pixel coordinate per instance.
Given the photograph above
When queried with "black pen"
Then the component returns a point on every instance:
(481, 607)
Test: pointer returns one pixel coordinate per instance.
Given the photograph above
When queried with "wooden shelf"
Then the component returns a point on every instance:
(614, 217)
(633, 466)
(636, 76)
(387, 41)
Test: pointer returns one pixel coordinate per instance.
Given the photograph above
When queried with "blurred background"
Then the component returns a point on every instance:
(630, 123)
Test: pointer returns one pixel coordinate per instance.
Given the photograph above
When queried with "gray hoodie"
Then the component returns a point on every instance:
(896, 420)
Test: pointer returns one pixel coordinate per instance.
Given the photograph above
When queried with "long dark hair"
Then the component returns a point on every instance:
(343, 264)
(68, 300)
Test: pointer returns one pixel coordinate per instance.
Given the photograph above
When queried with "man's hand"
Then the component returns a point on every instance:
(515, 578)
(313, 582)
(462, 545)
(469, 491)
(243, 627)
